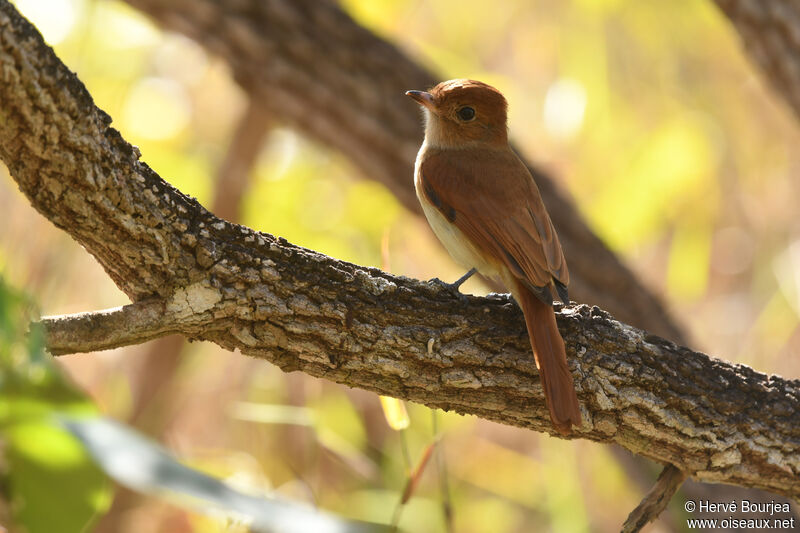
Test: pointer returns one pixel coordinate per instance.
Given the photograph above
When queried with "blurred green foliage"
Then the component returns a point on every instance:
(50, 482)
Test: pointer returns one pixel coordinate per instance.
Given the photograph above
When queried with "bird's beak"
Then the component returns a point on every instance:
(422, 98)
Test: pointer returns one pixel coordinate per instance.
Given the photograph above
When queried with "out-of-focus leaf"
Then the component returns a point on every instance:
(139, 464)
(52, 484)
(395, 412)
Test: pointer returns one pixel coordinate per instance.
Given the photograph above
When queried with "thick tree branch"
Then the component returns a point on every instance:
(770, 32)
(312, 66)
(359, 326)
(367, 329)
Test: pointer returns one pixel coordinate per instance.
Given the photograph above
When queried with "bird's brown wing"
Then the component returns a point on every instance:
(492, 198)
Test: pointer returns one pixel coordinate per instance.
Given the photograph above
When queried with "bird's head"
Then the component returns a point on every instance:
(462, 114)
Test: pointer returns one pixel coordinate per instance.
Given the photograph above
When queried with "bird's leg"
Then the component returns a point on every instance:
(460, 281)
(453, 287)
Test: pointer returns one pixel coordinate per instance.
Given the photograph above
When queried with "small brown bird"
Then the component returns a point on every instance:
(483, 204)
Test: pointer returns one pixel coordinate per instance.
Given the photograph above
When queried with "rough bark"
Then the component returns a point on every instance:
(770, 32)
(313, 67)
(213, 280)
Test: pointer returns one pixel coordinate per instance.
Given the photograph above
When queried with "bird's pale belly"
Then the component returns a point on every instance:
(455, 242)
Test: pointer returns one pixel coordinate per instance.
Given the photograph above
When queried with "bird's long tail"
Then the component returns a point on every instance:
(551, 360)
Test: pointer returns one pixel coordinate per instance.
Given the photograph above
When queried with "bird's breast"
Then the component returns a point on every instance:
(455, 242)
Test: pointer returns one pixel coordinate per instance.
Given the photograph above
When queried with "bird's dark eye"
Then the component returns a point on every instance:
(466, 113)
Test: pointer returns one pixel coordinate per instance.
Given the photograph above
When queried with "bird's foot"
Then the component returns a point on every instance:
(453, 288)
